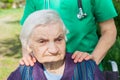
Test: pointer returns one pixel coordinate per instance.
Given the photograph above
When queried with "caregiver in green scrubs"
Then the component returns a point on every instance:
(82, 38)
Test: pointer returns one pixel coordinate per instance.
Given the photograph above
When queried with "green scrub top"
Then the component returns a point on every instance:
(82, 34)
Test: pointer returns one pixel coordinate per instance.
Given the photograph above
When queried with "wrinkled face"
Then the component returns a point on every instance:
(48, 43)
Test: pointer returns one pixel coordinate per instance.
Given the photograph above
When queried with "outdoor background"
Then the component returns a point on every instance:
(10, 48)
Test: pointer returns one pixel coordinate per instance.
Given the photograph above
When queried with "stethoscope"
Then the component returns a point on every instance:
(80, 14)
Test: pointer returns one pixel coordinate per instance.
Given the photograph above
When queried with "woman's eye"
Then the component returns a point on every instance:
(41, 41)
(59, 39)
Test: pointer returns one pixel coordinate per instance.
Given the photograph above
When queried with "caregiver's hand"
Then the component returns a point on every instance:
(80, 56)
(27, 60)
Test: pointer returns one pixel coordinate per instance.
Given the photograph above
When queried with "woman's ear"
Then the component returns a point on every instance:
(29, 49)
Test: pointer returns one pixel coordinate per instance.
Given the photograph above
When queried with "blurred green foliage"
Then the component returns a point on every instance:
(10, 47)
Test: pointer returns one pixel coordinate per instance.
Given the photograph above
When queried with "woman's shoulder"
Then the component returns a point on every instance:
(88, 69)
(87, 64)
(15, 75)
(26, 72)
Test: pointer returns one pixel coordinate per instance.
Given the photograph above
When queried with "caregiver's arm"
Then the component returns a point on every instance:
(107, 39)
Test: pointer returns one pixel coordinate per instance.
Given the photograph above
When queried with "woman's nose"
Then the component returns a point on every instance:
(52, 48)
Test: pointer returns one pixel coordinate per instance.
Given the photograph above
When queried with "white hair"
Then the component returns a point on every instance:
(40, 17)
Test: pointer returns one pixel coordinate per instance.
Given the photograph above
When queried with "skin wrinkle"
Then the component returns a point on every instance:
(48, 46)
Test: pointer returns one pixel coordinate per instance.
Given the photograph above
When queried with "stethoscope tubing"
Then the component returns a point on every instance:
(80, 14)
(79, 3)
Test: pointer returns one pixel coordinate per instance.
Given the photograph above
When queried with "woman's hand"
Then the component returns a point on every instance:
(27, 60)
(80, 56)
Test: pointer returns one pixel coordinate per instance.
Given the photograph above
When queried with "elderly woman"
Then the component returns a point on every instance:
(45, 39)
